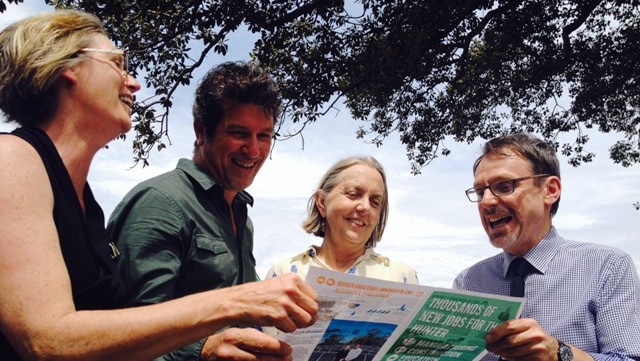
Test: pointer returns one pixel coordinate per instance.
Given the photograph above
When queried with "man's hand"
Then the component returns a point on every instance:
(244, 344)
(522, 339)
(285, 302)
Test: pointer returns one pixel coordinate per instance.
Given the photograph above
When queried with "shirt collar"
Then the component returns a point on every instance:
(539, 256)
(312, 252)
(206, 181)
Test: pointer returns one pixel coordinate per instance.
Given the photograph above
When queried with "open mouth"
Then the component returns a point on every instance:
(357, 222)
(501, 221)
(127, 101)
(245, 165)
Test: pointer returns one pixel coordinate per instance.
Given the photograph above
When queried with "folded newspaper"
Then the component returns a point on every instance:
(365, 319)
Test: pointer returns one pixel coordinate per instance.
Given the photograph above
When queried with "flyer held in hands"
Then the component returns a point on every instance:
(391, 321)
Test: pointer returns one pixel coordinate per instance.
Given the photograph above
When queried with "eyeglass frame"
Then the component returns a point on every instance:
(124, 63)
(479, 195)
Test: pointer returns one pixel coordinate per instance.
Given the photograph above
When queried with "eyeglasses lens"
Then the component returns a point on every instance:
(502, 188)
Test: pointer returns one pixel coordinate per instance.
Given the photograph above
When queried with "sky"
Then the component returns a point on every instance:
(432, 226)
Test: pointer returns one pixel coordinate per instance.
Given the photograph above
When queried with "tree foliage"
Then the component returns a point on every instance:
(425, 70)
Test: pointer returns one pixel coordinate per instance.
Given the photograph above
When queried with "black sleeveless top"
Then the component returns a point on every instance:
(87, 252)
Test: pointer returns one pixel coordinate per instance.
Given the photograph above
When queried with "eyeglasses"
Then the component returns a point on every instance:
(123, 60)
(499, 188)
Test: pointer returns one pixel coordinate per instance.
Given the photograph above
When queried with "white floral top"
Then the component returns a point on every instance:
(370, 264)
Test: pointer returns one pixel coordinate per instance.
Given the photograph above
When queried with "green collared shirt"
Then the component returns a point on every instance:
(175, 237)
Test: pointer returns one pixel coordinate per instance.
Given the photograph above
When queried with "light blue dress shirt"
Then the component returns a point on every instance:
(584, 294)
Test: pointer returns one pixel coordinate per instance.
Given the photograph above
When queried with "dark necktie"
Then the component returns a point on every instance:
(518, 269)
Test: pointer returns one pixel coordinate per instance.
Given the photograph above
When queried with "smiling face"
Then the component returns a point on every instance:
(518, 221)
(236, 150)
(352, 208)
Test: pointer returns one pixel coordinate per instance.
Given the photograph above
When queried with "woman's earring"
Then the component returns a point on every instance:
(322, 224)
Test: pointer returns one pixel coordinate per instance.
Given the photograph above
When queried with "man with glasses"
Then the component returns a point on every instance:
(582, 299)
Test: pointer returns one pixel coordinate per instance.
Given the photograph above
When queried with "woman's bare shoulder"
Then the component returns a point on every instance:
(23, 177)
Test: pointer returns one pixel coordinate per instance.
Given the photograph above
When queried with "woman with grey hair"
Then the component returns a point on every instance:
(349, 212)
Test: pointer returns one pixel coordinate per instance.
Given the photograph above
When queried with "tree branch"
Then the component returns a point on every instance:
(584, 12)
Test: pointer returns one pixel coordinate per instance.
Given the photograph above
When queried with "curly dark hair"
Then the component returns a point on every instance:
(233, 83)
